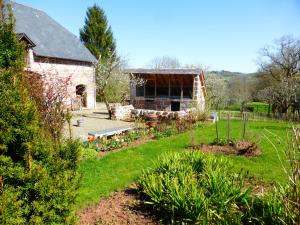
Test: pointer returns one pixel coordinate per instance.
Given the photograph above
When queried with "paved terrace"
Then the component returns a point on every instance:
(93, 120)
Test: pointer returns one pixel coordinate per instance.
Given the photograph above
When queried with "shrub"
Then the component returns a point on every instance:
(192, 188)
(269, 209)
(38, 179)
(88, 153)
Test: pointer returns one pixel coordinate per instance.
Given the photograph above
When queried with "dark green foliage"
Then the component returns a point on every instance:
(38, 180)
(96, 34)
(10, 51)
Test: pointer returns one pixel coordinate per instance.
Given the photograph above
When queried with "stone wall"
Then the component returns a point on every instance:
(122, 112)
(143, 113)
(198, 93)
(129, 113)
(161, 104)
(81, 73)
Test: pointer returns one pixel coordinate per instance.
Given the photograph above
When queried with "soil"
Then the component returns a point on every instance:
(242, 148)
(127, 207)
(122, 208)
(257, 186)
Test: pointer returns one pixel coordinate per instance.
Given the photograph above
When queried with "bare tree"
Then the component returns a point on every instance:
(282, 63)
(164, 62)
(280, 95)
(106, 70)
(239, 90)
(217, 90)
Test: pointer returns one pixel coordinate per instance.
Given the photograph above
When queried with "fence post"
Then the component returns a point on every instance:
(244, 126)
(216, 119)
(228, 127)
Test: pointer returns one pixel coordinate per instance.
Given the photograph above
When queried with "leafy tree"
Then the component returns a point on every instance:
(111, 84)
(97, 35)
(38, 180)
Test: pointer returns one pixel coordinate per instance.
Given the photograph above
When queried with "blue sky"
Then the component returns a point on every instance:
(220, 34)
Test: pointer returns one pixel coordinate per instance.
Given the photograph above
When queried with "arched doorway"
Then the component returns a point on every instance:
(81, 93)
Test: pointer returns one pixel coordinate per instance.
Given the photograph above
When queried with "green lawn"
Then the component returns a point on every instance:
(258, 107)
(100, 177)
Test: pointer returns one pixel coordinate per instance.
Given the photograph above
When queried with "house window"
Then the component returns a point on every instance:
(162, 86)
(139, 90)
(150, 88)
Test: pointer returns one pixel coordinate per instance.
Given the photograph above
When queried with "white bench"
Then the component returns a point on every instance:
(109, 132)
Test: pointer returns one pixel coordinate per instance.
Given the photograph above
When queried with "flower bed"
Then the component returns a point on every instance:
(166, 126)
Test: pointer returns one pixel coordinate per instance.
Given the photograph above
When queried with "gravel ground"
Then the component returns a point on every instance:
(93, 120)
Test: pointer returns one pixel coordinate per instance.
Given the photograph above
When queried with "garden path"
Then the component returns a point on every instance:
(93, 120)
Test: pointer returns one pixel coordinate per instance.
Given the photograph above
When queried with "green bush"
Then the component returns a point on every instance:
(88, 153)
(258, 107)
(192, 188)
(38, 179)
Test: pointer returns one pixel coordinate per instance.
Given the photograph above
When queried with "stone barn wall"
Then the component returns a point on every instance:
(162, 104)
(81, 73)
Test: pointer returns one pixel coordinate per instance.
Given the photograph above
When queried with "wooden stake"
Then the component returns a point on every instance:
(217, 130)
(244, 126)
(228, 127)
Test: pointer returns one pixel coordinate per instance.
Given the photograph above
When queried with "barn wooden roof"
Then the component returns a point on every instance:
(178, 71)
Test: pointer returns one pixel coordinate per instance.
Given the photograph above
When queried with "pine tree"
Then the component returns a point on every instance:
(97, 35)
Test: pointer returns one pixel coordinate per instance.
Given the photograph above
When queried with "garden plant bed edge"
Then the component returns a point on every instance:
(132, 144)
(128, 207)
(125, 207)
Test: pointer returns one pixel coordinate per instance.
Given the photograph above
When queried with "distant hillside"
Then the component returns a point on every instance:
(229, 75)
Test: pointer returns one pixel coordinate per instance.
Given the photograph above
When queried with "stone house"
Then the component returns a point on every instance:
(168, 89)
(56, 52)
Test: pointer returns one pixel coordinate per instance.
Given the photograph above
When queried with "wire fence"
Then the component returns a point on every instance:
(254, 116)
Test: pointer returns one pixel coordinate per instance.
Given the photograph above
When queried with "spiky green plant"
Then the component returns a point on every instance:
(195, 189)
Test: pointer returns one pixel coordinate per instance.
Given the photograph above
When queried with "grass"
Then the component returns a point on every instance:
(258, 107)
(101, 177)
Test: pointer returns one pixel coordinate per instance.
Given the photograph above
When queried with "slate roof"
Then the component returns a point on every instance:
(50, 38)
(23, 36)
(179, 71)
